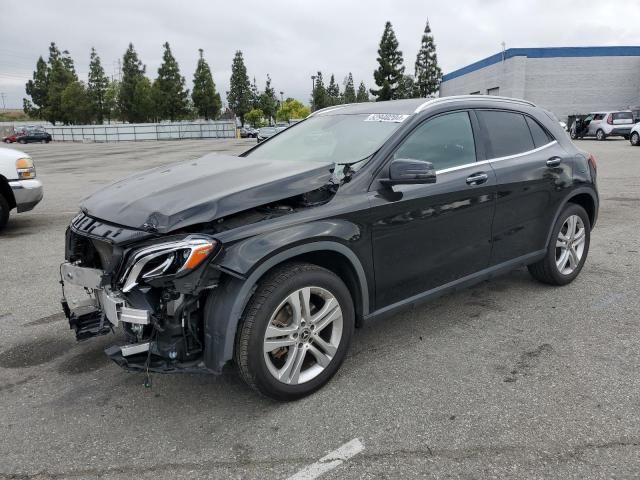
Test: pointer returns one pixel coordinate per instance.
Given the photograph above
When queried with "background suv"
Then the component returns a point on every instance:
(610, 124)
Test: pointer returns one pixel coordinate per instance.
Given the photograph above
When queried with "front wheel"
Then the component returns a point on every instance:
(635, 139)
(567, 250)
(22, 141)
(295, 332)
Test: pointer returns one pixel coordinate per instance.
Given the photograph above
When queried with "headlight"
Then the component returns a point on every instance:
(25, 168)
(169, 258)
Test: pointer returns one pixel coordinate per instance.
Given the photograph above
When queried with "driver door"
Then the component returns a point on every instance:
(425, 236)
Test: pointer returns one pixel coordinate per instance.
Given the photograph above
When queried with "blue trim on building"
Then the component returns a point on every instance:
(553, 52)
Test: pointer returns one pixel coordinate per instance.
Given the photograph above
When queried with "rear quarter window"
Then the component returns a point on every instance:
(507, 133)
(540, 136)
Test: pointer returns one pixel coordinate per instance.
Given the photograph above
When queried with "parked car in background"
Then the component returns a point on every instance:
(606, 124)
(11, 138)
(248, 132)
(19, 187)
(634, 136)
(35, 135)
(273, 258)
(268, 132)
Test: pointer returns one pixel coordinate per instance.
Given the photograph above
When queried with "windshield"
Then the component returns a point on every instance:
(332, 138)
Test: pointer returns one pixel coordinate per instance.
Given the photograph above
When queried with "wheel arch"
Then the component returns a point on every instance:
(226, 304)
(586, 198)
(6, 192)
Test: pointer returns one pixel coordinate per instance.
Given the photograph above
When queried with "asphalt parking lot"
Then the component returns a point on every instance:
(508, 379)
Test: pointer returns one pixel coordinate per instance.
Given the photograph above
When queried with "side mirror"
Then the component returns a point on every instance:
(407, 171)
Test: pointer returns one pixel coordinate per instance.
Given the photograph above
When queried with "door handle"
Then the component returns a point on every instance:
(477, 178)
(554, 162)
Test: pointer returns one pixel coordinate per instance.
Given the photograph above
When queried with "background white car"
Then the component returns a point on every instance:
(19, 187)
(634, 136)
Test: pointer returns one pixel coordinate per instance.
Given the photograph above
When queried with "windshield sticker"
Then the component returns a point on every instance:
(386, 117)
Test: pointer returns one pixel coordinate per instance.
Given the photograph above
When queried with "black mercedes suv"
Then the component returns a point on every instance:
(272, 258)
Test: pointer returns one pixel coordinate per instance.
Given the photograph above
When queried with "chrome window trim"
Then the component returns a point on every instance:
(496, 159)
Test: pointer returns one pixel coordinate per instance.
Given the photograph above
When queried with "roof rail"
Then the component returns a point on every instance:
(455, 98)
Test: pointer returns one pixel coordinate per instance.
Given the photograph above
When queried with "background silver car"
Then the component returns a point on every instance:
(610, 124)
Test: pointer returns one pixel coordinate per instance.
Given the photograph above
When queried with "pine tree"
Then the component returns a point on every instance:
(427, 74)
(76, 104)
(37, 89)
(268, 100)
(97, 87)
(143, 108)
(362, 95)
(333, 91)
(407, 88)
(389, 73)
(319, 97)
(170, 96)
(206, 100)
(255, 94)
(239, 94)
(111, 100)
(61, 73)
(132, 73)
(349, 90)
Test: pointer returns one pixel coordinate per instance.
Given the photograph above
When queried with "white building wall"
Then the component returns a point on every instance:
(564, 85)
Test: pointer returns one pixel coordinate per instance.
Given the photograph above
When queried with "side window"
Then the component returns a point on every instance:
(599, 116)
(507, 132)
(446, 141)
(539, 134)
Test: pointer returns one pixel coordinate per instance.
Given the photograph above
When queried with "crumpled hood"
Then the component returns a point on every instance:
(202, 190)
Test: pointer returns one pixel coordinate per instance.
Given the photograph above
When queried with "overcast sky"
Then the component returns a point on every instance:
(291, 40)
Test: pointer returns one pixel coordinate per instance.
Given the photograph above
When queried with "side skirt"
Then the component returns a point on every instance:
(460, 284)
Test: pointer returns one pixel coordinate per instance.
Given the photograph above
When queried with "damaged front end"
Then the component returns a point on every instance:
(149, 287)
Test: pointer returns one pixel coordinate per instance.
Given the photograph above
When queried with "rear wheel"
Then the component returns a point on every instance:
(567, 250)
(635, 139)
(7, 141)
(295, 332)
(43, 141)
(4, 211)
(600, 135)
(21, 140)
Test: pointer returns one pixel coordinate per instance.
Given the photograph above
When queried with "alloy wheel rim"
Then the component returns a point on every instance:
(570, 245)
(635, 139)
(303, 335)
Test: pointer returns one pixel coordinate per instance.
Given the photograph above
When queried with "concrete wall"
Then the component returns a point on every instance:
(564, 85)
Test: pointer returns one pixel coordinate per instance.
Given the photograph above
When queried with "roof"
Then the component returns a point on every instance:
(551, 52)
(409, 106)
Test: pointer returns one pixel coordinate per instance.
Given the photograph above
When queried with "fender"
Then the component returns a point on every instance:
(225, 305)
(588, 190)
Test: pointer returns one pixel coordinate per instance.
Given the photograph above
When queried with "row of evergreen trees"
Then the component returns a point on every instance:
(390, 77)
(325, 96)
(57, 94)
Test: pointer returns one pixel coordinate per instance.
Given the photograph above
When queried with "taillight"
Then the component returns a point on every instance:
(610, 119)
(592, 161)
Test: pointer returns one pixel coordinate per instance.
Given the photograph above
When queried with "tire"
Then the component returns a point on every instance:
(635, 139)
(4, 211)
(7, 141)
(22, 141)
(548, 270)
(43, 141)
(626, 137)
(600, 135)
(271, 304)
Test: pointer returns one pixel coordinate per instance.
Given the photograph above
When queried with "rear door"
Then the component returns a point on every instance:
(532, 170)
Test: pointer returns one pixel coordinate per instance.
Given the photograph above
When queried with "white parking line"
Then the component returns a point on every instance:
(330, 461)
